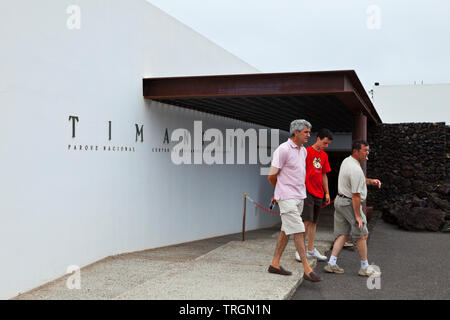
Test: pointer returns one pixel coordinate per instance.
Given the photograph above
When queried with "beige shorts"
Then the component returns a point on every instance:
(290, 212)
(345, 221)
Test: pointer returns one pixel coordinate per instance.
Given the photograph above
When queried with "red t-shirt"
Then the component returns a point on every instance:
(316, 164)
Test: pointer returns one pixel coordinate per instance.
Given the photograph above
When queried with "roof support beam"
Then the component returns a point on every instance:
(329, 98)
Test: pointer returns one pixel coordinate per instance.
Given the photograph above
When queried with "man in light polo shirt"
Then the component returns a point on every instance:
(287, 175)
(349, 219)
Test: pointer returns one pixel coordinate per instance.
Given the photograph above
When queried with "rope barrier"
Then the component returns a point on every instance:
(261, 207)
(328, 204)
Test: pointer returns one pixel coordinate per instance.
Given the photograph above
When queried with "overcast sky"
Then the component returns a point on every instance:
(385, 41)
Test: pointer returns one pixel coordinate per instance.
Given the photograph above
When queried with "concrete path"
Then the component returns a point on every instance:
(211, 269)
(234, 270)
(415, 265)
(237, 270)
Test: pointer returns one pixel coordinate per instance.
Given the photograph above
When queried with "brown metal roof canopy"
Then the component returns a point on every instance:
(327, 99)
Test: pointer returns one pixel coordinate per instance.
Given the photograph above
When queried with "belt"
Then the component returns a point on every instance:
(342, 196)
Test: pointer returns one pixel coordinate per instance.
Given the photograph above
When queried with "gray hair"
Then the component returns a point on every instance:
(299, 125)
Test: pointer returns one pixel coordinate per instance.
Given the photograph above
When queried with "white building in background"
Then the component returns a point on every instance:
(85, 168)
(413, 103)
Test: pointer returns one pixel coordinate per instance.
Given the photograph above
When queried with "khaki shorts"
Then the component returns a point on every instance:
(344, 219)
(290, 212)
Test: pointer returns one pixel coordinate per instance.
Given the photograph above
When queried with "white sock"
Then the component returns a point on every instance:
(332, 260)
(311, 252)
(364, 264)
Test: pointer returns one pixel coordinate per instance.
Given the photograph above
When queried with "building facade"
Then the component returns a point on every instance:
(86, 169)
(96, 96)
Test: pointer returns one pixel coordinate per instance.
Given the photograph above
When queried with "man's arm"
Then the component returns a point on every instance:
(356, 201)
(272, 177)
(325, 188)
(373, 182)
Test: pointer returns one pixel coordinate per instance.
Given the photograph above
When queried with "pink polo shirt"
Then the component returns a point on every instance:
(291, 180)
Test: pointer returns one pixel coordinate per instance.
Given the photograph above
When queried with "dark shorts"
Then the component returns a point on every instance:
(311, 208)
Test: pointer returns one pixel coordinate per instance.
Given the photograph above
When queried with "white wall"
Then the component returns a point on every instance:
(61, 207)
(413, 103)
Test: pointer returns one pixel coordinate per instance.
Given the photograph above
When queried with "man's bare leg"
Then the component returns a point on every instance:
(311, 235)
(299, 240)
(338, 245)
(307, 224)
(281, 245)
(361, 245)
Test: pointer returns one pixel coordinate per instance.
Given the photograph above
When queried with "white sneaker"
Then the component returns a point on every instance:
(333, 269)
(370, 271)
(316, 254)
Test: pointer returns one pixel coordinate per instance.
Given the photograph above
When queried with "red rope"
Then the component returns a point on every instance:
(327, 204)
(258, 205)
(266, 209)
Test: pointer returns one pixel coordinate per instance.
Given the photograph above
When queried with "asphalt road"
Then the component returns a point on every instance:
(414, 265)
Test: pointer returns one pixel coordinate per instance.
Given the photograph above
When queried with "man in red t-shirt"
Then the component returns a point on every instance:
(317, 167)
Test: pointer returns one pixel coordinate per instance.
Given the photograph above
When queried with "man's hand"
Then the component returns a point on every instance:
(327, 199)
(374, 182)
(377, 183)
(359, 222)
(273, 200)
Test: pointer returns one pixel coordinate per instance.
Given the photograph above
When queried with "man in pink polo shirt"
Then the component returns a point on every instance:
(287, 175)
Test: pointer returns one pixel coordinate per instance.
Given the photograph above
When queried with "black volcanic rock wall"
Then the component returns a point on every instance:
(412, 161)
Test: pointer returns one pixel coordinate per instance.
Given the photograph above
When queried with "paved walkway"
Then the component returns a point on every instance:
(414, 265)
(217, 268)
